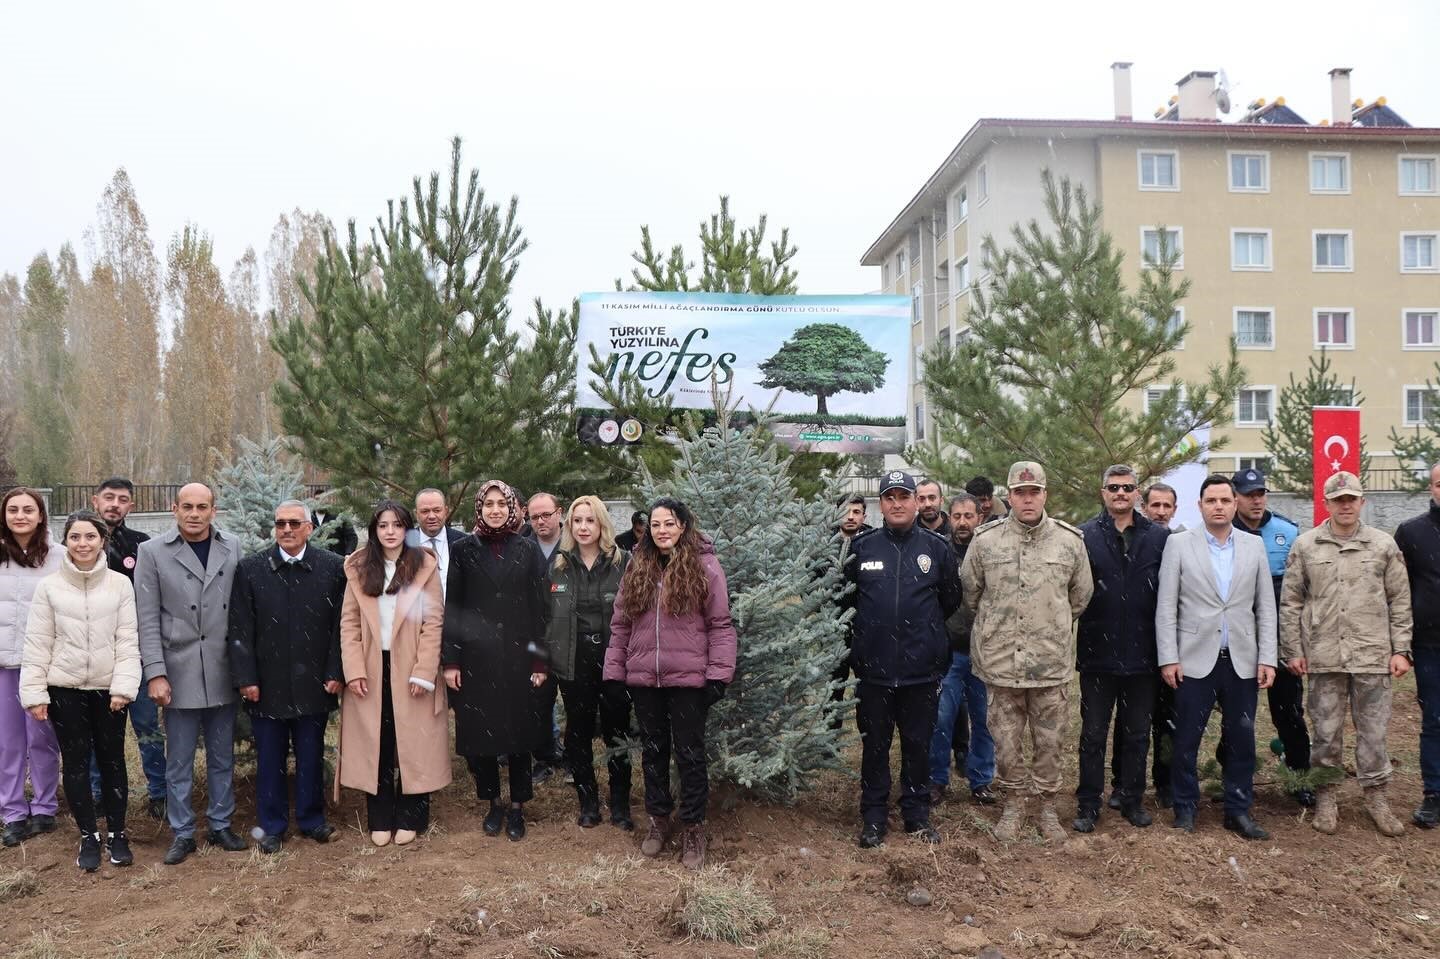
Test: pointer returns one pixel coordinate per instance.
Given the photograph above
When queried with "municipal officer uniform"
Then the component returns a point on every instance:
(905, 584)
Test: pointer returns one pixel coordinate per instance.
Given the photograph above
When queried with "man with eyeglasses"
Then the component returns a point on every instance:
(1115, 648)
(435, 532)
(546, 518)
(285, 659)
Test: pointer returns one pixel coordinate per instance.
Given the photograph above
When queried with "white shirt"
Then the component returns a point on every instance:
(286, 557)
(440, 545)
(387, 607)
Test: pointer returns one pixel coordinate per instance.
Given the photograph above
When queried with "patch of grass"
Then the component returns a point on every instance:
(797, 944)
(267, 864)
(472, 895)
(259, 946)
(359, 873)
(542, 949)
(205, 944)
(41, 945)
(17, 884)
(145, 878)
(716, 906)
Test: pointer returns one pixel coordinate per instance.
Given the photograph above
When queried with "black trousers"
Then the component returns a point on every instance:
(86, 727)
(1162, 740)
(486, 770)
(879, 712)
(840, 674)
(1132, 700)
(960, 737)
(1194, 701)
(550, 753)
(1287, 711)
(672, 719)
(585, 697)
(391, 808)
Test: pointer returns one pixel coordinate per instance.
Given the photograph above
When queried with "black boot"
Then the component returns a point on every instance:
(589, 798)
(494, 819)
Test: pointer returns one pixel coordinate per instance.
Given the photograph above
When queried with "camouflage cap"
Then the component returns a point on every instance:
(1343, 484)
(1026, 473)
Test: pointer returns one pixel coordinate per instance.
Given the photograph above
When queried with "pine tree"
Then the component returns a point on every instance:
(1059, 355)
(1290, 436)
(410, 375)
(771, 734)
(45, 430)
(1419, 447)
(247, 490)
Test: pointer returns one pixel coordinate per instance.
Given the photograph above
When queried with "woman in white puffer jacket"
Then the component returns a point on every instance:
(81, 671)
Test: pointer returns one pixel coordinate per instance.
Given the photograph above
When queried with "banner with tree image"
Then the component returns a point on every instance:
(831, 369)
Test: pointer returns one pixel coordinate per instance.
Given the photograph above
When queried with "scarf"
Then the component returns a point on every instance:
(512, 521)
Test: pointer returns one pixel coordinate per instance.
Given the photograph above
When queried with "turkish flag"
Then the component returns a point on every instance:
(1336, 447)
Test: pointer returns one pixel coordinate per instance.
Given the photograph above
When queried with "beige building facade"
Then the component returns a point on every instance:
(1295, 236)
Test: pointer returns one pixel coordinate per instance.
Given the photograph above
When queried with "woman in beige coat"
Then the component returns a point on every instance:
(81, 671)
(393, 717)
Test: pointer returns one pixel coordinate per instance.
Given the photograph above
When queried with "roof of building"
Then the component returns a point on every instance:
(937, 188)
(1377, 114)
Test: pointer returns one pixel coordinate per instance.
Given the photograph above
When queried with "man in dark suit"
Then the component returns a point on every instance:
(1215, 633)
(435, 532)
(285, 659)
(631, 538)
(346, 539)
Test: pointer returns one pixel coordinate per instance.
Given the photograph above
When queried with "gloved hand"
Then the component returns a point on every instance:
(714, 691)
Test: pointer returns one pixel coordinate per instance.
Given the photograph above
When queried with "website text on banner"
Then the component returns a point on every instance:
(834, 366)
(1337, 447)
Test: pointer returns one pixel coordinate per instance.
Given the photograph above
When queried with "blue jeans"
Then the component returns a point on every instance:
(1427, 691)
(145, 720)
(961, 686)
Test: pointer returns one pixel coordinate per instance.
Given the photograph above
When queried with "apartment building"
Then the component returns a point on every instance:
(1295, 236)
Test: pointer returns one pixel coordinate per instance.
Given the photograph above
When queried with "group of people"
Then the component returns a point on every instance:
(986, 613)
(420, 621)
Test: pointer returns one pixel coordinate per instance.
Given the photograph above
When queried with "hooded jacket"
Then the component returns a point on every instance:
(658, 649)
(81, 635)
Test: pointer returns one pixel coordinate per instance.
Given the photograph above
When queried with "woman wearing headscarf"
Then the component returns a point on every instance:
(81, 670)
(497, 608)
(584, 578)
(393, 722)
(673, 645)
(28, 748)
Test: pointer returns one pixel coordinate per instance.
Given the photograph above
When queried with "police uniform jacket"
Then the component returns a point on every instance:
(1278, 534)
(905, 586)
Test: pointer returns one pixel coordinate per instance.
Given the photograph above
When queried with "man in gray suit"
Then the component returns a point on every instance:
(182, 598)
(1215, 633)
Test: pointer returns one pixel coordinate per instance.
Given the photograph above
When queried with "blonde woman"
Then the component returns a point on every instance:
(584, 578)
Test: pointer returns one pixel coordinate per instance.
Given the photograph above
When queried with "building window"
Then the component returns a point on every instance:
(1419, 405)
(920, 420)
(1334, 329)
(915, 247)
(1249, 172)
(962, 206)
(1329, 173)
(962, 275)
(917, 293)
(1253, 406)
(1332, 250)
(1154, 394)
(1175, 324)
(1421, 329)
(900, 264)
(943, 338)
(1250, 250)
(982, 183)
(1150, 252)
(1417, 253)
(1261, 463)
(1417, 176)
(1255, 328)
(1159, 170)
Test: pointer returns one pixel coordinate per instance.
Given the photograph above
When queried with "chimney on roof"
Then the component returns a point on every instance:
(1120, 70)
(1197, 96)
(1340, 97)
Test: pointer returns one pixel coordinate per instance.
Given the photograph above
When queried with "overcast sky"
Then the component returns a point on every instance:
(604, 116)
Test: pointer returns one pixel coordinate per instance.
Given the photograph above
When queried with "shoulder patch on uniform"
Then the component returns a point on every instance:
(864, 533)
(941, 537)
(1275, 515)
(987, 526)
(1064, 525)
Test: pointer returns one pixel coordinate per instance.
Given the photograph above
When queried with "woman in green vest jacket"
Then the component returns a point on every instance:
(584, 578)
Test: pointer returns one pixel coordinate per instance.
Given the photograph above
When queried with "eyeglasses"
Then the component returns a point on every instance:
(290, 523)
(545, 517)
(1120, 488)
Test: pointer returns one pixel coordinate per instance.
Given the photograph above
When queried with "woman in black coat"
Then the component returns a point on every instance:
(497, 608)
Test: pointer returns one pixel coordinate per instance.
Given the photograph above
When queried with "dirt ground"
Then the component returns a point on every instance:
(787, 883)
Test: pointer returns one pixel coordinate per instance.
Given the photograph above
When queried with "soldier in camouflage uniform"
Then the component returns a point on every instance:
(1026, 578)
(1345, 622)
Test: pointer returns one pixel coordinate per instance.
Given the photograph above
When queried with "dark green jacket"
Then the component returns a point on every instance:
(564, 584)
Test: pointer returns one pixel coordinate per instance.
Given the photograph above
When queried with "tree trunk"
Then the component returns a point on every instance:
(820, 403)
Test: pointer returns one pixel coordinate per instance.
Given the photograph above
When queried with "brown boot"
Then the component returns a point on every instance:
(1379, 807)
(657, 836)
(1011, 818)
(692, 846)
(1050, 826)
(1327, 813)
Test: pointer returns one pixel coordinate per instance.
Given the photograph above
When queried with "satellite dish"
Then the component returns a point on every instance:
(1222, 93)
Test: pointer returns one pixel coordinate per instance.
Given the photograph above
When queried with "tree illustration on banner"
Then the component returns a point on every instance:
(823, 359)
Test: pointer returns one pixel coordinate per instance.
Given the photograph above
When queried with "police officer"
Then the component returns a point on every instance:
(1278, 534)
(1026, 579)
(905, 586)
(1345, 622)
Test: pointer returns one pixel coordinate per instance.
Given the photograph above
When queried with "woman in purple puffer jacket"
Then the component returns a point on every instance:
(673, 646)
